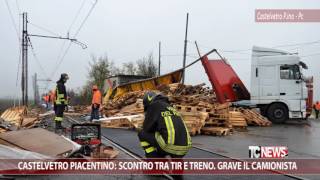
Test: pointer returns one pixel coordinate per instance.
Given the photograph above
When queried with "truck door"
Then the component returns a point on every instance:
(268, 89)
(291, 86)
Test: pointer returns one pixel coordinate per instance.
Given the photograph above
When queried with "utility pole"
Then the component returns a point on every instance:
(24, 56)
(185, 49)
(159, 58)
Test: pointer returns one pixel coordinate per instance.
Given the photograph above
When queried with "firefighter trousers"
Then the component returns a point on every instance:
(59, 109)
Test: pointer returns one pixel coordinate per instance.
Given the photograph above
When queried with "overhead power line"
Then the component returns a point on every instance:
(309, 55)
(12, 20)
(77, 15)
(19, 40)
(76, 33)
(299, 44)
(44, 29)
(242, 51)
(18, 7)
(37, 59)
(69, 29)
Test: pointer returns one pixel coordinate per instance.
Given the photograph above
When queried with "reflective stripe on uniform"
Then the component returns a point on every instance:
(170, 148)
(59, 97)
(144, 143)
(58, 118)
(150, 149)
(170, 130)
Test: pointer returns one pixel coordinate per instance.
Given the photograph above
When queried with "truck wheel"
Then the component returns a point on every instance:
(277, 113)
(263, 110)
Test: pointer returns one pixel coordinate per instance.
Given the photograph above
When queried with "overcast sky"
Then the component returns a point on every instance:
(126, 30)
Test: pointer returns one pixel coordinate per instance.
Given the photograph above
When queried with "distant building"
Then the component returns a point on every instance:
(114, 81)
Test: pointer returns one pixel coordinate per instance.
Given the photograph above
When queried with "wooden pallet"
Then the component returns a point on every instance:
(136, 108)
(237, 120)
(194, 121)
(185, 108)
(254, 118)
(216, 131)
(14, 115)
(119, 123)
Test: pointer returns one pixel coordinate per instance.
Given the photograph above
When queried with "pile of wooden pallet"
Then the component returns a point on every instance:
(114, 106)
(197, 106)
(218, 121)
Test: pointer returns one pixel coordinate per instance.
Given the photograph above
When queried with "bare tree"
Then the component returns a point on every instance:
(129, 68)
(146, 66)
(100, 69)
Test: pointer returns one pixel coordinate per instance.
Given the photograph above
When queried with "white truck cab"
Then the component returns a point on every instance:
(278, 87)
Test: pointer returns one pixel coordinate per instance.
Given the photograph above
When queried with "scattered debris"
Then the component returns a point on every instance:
(105, 152)
(18, 117)
(14, 115)
(197, 105)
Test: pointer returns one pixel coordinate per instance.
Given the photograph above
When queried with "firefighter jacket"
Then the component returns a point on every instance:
(61, 94)
(170, 130)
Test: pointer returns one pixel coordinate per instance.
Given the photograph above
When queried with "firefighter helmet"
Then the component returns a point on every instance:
(64, 76)
(147, 98)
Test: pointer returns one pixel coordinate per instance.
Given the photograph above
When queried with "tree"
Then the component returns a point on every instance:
(129, 68)
(146, 66)
(99, 70)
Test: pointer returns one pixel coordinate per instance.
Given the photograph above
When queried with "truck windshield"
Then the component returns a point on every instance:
(290, 72)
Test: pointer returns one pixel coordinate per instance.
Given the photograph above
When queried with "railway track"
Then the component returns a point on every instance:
(204, 150)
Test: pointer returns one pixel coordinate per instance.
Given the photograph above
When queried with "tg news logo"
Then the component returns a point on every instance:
(268, 152)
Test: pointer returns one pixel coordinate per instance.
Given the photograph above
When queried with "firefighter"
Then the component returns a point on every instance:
(163, 133)
(96, 103)
(60, 100)
(316, 108)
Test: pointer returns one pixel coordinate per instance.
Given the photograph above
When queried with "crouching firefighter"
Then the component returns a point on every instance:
(60, 100)
(163, 133)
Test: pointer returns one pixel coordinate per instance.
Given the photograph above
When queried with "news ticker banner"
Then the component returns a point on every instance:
(160, 166)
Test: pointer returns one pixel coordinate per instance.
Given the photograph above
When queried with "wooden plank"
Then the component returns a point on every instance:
(28, 121)
(216, 131)
(38, 140)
